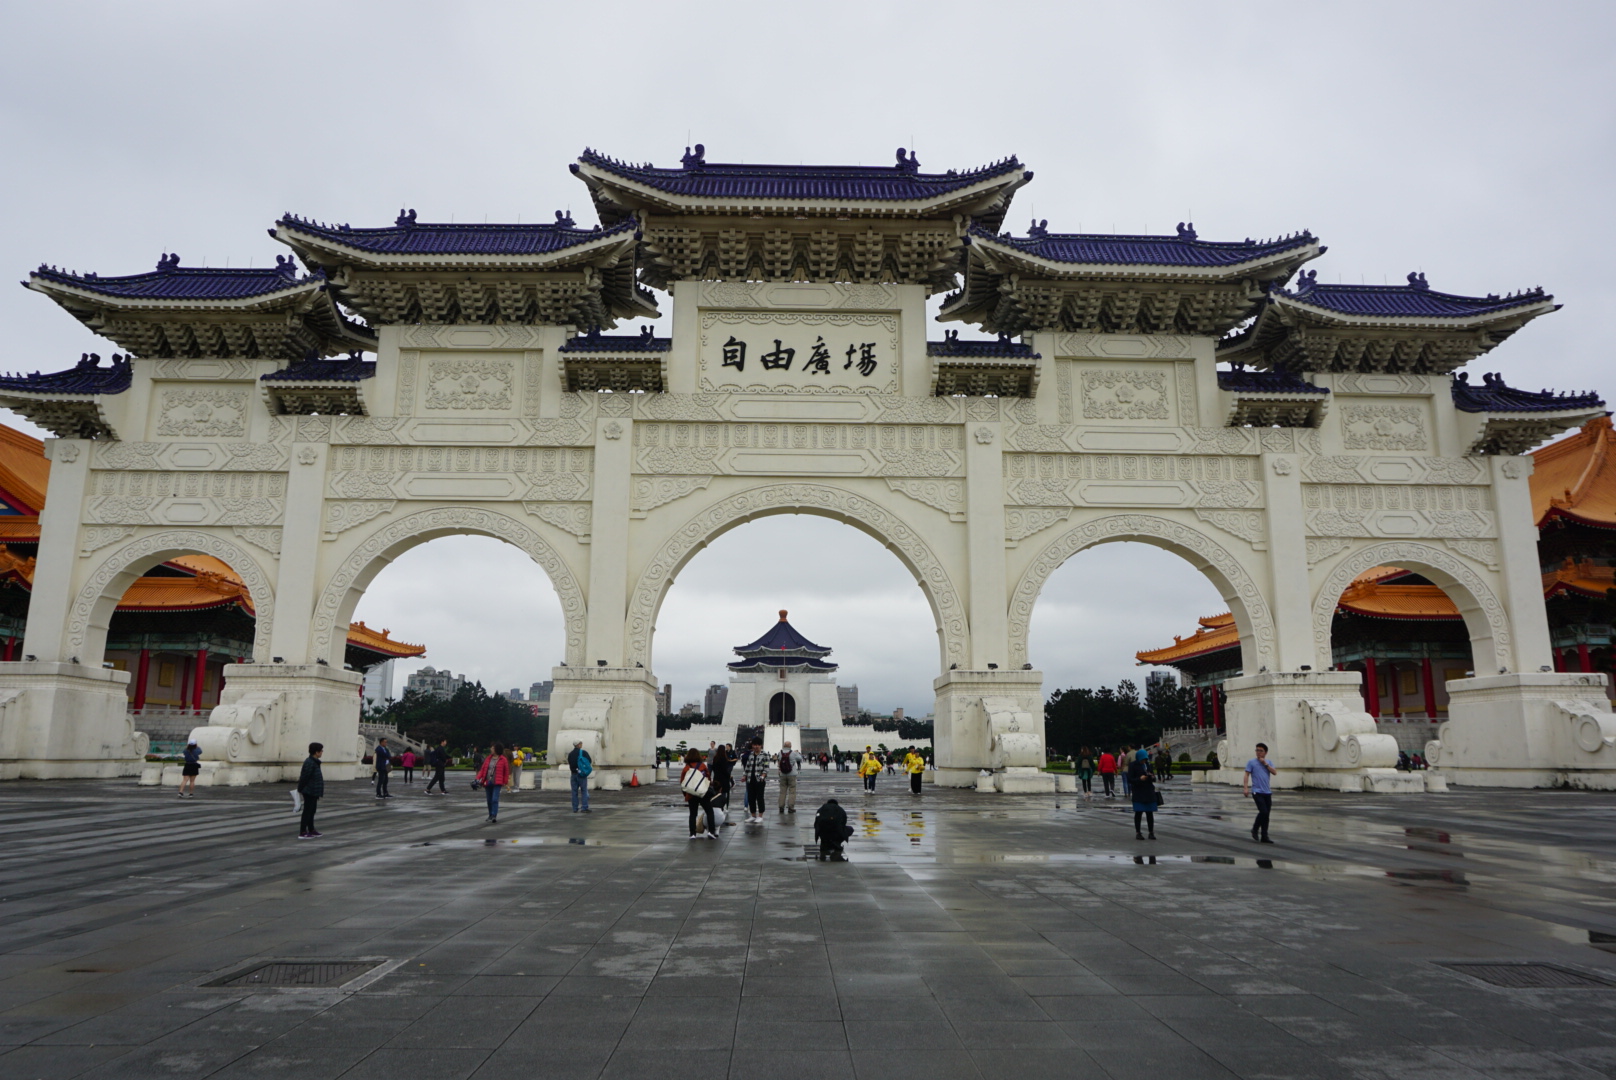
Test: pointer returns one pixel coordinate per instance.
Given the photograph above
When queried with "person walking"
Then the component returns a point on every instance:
(310, 785)
(1124, 763)
(869, 768)
(579, 766)
(755, 764)
(790, 766)
(384, 766)
(494, 775)
(1142, 786)
(1085, 771)
(1164, 764)
(722, 766)
(406, 761)
(518, 759)
(703, 801)
(1261, 792)
(1108, 774)
(190, 770)
(914, 765)
(438, 758)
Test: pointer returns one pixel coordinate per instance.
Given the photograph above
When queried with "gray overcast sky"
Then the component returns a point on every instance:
(1469, 140)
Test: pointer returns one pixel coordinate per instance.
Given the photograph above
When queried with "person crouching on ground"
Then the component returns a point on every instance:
(702, 802)
(831, 829)
(310, 785)
(1142, 786)
(494, 774)
(914, 765)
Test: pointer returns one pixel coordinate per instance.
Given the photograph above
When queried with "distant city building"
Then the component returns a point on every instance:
(541, 691)
(439, 684)
(713, 703)
(378, 686)
(664, 700)
(897, 714)
(847, 699)
(1167, 680)
(689, 709)
(515, 693)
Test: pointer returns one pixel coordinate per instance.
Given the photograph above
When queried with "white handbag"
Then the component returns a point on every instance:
(695, 783)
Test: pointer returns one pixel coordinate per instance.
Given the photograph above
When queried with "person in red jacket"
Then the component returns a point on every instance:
(1108, 773)
(494, 774)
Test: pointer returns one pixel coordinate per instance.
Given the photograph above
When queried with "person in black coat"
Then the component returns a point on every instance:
(831, 829)
(438, 758)
(310, 785)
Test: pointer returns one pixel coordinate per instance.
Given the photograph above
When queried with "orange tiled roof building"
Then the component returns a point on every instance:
(175, 629)
(1406, 635)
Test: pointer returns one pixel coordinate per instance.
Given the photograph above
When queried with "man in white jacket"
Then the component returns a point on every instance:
(789, 766)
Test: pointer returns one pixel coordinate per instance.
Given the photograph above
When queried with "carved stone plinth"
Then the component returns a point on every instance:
(990, 719)
(1315, 728)
(66, 720)
(270, 713)
(612, 711)
(1528, 729)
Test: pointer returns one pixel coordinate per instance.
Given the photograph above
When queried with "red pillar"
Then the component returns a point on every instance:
(1217, 706)
(1559, 660)
(1200, 708)
(142, 672)
(1430, 688)
(11, 643)
(1583, 663)
(198, 678)
(1371, 687)
(1397, 693)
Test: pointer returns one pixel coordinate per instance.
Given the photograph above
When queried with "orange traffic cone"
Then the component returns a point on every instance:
(634, 780)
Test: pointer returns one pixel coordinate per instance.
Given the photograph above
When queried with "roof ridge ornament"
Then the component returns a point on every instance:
(1038, 229)
(1306, 281)
(168, 263)
(1186, 230)
(405, 219)
(695, 160)
(563, 220)
(910, 164)
(1417, 281)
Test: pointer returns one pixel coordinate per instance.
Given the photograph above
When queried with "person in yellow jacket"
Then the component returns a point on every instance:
(870, 768)
(916, 765)
(518, 759)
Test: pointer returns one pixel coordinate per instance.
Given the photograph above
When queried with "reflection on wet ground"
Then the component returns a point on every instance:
(965, 934)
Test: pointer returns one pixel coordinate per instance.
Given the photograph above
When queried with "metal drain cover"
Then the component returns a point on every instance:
(302, 973)
(1529, 976)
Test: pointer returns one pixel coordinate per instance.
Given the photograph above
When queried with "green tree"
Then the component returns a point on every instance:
(1100, 719)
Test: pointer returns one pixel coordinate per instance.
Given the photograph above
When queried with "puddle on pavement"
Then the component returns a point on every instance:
(528, 841)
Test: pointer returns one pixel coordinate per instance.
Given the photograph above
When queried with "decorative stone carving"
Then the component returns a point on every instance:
(1188, 406)
(66, 452)
(1248, 525)
(1398, 510)
(469, 382)
(814, 498)
(983, 435)
(488, 522)
(1321, 549)
(677, 406)
(268, 539)
(571, 517)
(558, 487)
(919, 462)
(363, 485)
(93, 540)
(651, 492)
(217, 370)
(253, 457)
(494, 336)
(1041, 438)
(154, 548)
(408, 361)
(1021, 522)
(612, 430)
(308, 456)
(982, 409)
(945, 495)
(1142, 346)
(1283, 466)
(1421, 558)
(127, 455)
(1512, 469)
(1039, 492)
(559, 433)
(1383, 427)
(203, 412)
(1193, 544)
(1124, 394)
(926, 410)
(1482, 551)
(367, 429)
(342, 516)
(761, 294)
(1361, 469)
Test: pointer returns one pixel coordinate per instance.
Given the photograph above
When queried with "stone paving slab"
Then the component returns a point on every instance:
(966, 935)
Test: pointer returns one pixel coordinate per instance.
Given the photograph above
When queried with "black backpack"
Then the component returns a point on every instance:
(785, 762)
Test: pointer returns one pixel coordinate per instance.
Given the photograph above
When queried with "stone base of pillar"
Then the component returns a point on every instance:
(1022, 780)
(988, 720)
(1528, 730)
(269, 713)
(612, 711)
(959, 778)
(66, 720)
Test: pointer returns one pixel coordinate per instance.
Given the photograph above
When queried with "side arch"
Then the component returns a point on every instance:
(98, 599)
(856, 510)
(1251, 611)
(1483, 612)
(342, 591)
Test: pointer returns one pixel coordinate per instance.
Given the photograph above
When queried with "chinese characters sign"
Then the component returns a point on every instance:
(786, 352)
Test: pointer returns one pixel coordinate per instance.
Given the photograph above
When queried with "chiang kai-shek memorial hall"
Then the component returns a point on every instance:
(380, 386)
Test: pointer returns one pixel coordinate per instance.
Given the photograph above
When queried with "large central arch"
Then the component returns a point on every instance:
(826, 501)
(1239, 588)
(345, 588)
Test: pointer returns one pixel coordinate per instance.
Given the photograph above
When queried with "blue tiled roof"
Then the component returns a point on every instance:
(595, 341)
(769, 663)
(86, 377)
(171, 281)
(1184, 250)
(782, 638)
(1494, 396)
(1415, 299)
(1266, 382)
(901, 182)
(1003, 348)
(407, 237)
(350, 368)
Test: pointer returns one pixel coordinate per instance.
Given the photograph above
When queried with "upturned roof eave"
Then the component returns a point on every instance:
(610, 245)
(273, 300)
(1064, 271)
(1524, 312)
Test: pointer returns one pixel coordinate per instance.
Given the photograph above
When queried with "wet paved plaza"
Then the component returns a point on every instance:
(967, 936)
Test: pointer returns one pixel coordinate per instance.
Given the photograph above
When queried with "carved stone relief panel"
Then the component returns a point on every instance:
(1130, 346)
(189, 498)
(216, 370)
(651, 492)
(459, 472)
(1124, 394)
(409, 362)
(1398, 510)
(1021, 522)
(93, 540)
(268, 539)
(1249, 525)
(849, 449)
(1361, 469)
(218, 412)
(343, 514)
(945, 495)
(162, 456)
(470, 382)
(765, 294)
(472, 337)
(1132, 480)
(1388, 426)
(1375, 383)
(569, 517)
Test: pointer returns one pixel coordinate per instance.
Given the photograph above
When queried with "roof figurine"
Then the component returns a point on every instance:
(405, 219)
(694, 160)
(1186, 231)
(1496, 418)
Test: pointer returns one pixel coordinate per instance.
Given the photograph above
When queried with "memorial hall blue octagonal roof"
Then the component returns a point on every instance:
(782, 639)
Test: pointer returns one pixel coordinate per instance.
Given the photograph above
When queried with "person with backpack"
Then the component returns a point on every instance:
(580, 765)
(1085, 771)
(494, 775)
(790, 766)
(310, 785)
(190, 770)
(831, 829)
(755, 764)
(696, 782)
(384, 766)
(438, 758)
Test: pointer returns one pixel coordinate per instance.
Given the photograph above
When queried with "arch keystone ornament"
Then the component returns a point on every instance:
(309, 427)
